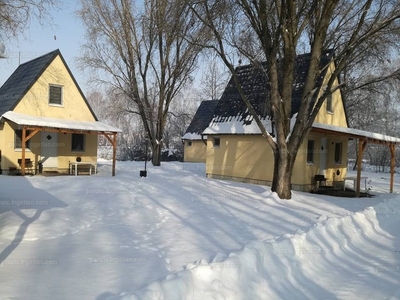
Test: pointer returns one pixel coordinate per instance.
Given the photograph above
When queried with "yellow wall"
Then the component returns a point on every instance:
(242, 156)
(196, 152)
(10, 155)
(304, 172)
(65, 155)
(250, 157)
(337, 116)
(36, 102)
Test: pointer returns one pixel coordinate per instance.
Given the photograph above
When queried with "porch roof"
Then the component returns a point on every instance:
(60, 124)
(355, 133)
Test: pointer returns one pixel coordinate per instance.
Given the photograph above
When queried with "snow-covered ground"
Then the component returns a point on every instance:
(179, 235)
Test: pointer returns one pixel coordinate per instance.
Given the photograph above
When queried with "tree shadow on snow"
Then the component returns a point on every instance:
(13, 198)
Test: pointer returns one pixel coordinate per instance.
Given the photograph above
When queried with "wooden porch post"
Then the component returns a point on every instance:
(361, 147)
(114, 153)
(113, 142)
(392, 165)
(23, 140)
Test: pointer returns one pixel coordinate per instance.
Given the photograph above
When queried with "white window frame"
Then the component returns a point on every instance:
(215, 138)
(62, 95)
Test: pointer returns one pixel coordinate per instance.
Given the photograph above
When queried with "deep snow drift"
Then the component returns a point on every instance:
(179, 235)
(346, 258)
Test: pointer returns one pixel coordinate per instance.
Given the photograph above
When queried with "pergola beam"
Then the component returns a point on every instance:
(36, 129)
(363, 140)
(361, 147)
(392, 164)
(113, 142)
(23, 140)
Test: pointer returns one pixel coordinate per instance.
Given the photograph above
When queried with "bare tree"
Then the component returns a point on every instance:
(143, 54)
(98, 104)
(15, 15)
(213, 79)
(179, 118)
(274, 32)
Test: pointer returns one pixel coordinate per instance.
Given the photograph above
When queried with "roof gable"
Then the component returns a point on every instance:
(25, 76)
(201, 119)
(255, 85)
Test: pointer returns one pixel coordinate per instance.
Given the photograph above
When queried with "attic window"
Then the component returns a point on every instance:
(189, 143)
(55, 94)
(329, 103)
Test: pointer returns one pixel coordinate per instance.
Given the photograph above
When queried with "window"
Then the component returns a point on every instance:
(216, 142)
(329, 103)
(78, 142)
(189, 143)
(338, 152)
(55, 95)
(310, 151)
(18, 139)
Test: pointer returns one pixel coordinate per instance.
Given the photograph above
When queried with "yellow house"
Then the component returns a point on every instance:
(194, 144)
(46, 122)
(237, 151)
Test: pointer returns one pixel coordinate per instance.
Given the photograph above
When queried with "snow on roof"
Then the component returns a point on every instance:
(357, 132)
(22, 119)
(236, 125)
(191, 136)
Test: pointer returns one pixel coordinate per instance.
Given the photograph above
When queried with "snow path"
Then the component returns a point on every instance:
(84, 237)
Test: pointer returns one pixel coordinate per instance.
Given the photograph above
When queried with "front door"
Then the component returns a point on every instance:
(322, 156)
(49, 149)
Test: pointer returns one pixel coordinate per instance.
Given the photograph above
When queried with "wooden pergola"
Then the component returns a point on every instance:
(364, 137)
(36, 124)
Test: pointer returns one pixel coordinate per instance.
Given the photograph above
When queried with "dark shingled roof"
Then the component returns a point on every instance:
(23, 78)
(203, 117)
(255, 85)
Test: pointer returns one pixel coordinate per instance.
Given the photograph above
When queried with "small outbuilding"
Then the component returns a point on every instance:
(47, 121)
(195, 145)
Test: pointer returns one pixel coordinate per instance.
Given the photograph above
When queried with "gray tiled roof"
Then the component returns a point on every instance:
(255, 85)
(203, 116)
(19, 83)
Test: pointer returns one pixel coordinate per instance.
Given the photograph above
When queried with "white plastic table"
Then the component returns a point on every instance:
(76, 163)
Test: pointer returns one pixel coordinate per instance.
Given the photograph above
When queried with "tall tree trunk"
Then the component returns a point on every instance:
(283, 168)
(158, 142)
(156, 159)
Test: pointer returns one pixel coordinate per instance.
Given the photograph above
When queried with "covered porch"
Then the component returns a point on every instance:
(53, 128)
(363, 137)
